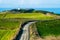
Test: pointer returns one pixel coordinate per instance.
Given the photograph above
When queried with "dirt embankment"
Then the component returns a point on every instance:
(33, 32)
(35, 36)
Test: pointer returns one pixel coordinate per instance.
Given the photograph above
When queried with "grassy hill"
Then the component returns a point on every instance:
(38, 16)
(9, 23)
(8, 28)
(50, 27)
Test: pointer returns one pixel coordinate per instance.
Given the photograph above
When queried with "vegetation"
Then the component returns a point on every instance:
(30, 11)
(2, 15)
(7, 34)
(29, 16)
(9, 24)
(46, 28)
(22, 10)
(8, 28)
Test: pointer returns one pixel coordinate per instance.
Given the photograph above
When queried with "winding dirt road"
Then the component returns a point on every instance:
(25, 34)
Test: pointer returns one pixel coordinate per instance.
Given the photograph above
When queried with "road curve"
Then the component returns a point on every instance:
(24, 33)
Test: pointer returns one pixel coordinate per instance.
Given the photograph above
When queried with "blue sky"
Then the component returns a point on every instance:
(29, 3)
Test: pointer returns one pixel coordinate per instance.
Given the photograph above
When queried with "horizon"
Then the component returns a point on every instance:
(34, 4)
(55, 10)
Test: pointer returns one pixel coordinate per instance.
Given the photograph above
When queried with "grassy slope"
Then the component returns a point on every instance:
(1, 15)
(6, 34)
(6, 26)
(46, 28)
(28, 15)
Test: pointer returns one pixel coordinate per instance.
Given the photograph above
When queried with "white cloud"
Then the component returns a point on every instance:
(0, 1)
(50, 1)
(34, 2)
(30, 3)
(21, 2)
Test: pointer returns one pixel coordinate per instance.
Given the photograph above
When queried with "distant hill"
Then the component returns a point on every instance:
(29, 11)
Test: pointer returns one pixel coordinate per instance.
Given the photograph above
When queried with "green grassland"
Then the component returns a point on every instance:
(7, 34)
(8, 27)
(46, 28)
(38, 16)
(2, 15)
(8, 24)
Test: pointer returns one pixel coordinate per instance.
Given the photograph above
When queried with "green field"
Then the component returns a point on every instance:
(38, 16)
(8, 28)
(9, 24)
(2, 15)
(46, 28)
(7, 34)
